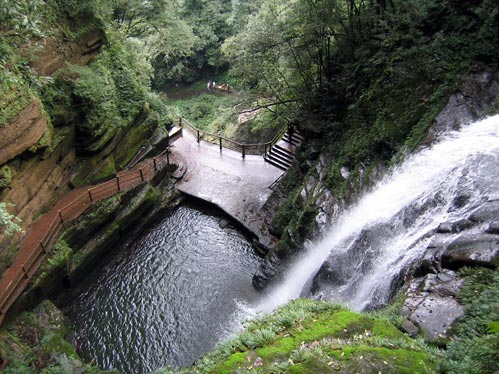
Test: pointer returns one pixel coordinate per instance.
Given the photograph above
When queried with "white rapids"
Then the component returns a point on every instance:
(391, 221)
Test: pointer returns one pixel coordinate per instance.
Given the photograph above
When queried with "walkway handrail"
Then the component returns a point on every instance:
(23, 271)
(222, 142)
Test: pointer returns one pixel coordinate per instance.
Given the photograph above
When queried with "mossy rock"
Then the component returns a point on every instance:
(137, 135)
(93, 170)
(308, 336)
(35, 341)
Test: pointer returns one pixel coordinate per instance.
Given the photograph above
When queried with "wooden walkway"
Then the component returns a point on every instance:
(44, 232)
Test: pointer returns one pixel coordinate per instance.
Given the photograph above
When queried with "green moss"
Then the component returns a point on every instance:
(83, 258)
(5, 177)
(35, 342)
(56, 265)
(14, 96)
(307, 336)
(93, 170)
(236, 360)
(137, 135)
(379, 359)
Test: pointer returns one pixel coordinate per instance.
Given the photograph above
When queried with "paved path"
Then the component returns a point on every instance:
(238, 186)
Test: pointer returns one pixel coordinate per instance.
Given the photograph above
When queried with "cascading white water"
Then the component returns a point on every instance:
(389, 223)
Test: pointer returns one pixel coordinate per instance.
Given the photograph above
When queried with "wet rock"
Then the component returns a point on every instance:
(448, 286)
(309, 188)
(488, 211)
(431, 306)
(435, 316)
(473, 101)
(321, 219)
(430, 261)
(410, 328)
(461, 225)
(493, 228)
(444, 228)
(460, 200)
(454, 227)
(266, 272)
(472, 250)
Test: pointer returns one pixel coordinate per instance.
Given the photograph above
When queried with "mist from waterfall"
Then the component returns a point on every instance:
(370, 244)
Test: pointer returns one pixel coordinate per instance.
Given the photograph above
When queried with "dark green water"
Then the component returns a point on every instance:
(167, 298)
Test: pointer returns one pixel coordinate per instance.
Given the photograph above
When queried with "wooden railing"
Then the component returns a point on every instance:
(23, 270)
(243, 148)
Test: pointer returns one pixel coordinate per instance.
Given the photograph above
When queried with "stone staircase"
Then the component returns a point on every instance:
(282, 154)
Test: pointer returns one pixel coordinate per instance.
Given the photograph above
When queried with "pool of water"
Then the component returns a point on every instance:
(168, 297)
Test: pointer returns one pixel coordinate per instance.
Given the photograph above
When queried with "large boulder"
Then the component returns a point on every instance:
(431, 308)
(472, 250)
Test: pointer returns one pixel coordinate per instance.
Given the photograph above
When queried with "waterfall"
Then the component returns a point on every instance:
(371, 243)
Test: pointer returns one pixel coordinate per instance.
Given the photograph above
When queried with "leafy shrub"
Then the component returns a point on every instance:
(8, 220)
(475, 348)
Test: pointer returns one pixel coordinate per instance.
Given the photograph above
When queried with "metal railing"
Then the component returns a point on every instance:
(222, 142)
(23, 271)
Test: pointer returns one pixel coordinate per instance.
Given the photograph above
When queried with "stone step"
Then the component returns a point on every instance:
(283, 152)
(297, 138)
(279, 158)
(276, 163)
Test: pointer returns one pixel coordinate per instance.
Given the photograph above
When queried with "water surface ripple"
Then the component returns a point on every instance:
(167, 298)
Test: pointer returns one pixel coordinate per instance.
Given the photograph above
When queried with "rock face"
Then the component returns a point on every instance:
(472, 250)
(53, 54)
(24, 132)
(431, 308)
(473, 101)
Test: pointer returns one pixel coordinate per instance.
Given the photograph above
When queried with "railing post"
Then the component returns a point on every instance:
(118, 183)
(198, 135)
(180, 121)
(26, 275)
(155, 165)
(90, 196)
(220, 140)
(244, 151)
(43, 247)
(60, 216)
(141, 175)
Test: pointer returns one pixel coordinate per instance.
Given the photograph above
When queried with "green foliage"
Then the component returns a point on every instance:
(110, 93)
(14, 96)
(8, 221)
(309, 337)
(5, 177)
(475, 347)
(35, 343)
(56, 264)
(18, 19)
(218, 113)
